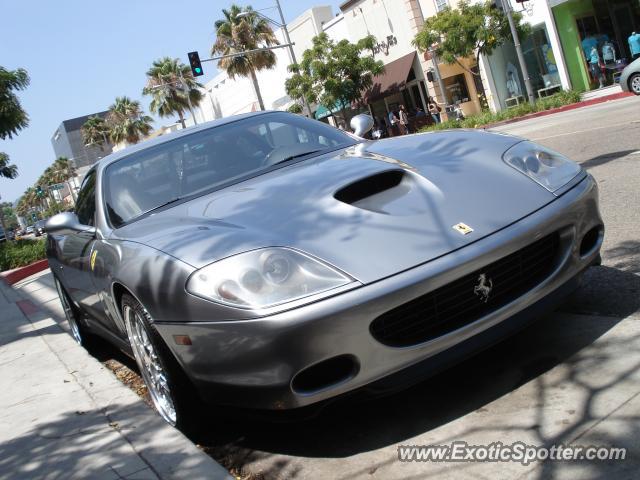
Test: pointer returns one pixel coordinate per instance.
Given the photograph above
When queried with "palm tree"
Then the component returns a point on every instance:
(243, 29)
(95, 131)
(27, 201)
(7, 170)
(173, 88)
(12, 117)
(127, 122)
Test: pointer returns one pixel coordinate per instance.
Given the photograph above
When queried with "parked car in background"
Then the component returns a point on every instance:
(38, 227)
(2, 235)
(271, 261)
(630, 77)
(29, 230)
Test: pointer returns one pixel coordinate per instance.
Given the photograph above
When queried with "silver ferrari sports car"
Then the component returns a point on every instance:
(271, 262)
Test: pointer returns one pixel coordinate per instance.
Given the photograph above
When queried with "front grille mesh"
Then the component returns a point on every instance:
(457, 304)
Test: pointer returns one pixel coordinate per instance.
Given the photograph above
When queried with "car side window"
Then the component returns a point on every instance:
(86, 202)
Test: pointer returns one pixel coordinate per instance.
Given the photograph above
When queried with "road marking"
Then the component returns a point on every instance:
(583, 131)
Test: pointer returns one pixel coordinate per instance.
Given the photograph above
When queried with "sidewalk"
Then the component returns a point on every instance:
(64, 415)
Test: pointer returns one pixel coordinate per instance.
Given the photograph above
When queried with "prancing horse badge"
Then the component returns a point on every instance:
(462, 228)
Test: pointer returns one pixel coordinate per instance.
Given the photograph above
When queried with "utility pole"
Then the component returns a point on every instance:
(291, 52)
(506, 6)
(436, 70)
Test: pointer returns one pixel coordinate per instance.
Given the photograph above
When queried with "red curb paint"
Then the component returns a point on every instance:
(573, 106)
(14, 276)
(27, 307)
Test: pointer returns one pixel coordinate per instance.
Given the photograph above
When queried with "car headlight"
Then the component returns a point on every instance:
(548, 168)
(264, 278)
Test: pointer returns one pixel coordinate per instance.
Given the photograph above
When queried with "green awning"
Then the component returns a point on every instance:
(323, 111)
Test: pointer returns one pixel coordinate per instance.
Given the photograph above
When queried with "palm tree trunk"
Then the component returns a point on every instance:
(181, 115)
(256, 87)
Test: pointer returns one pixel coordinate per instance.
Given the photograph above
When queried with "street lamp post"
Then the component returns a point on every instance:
(282, 24)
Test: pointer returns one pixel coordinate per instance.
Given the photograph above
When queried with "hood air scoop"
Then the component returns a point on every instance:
(392, 192)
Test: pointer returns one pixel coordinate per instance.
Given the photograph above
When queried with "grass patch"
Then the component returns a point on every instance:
(20, 253)
(485, 118)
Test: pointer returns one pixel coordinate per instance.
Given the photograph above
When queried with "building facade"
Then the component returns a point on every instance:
(611, 27)
(226, 96)
(67, 142)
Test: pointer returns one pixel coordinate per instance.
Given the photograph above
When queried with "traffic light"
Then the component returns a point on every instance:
(196, 66)
(39, 191)
(34, 217)
(430, 76)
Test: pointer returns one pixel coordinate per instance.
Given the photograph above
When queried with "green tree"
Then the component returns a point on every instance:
(469, 30)
(172, 87)
(12, 116)
(241, 30)
(27, 202)
(127, 121)
(10, 220)
(7, 170)
(95, 131)
(334, 74)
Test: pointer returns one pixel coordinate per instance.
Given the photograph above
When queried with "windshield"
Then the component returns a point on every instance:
(195, 163)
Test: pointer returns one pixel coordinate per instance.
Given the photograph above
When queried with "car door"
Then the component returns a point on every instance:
(77, 250)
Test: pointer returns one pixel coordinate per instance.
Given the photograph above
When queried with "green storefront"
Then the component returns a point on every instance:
(603, 24)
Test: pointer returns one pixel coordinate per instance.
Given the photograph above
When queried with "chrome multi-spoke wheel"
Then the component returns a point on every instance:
(69, 313)
(149, 363)
(635, 84)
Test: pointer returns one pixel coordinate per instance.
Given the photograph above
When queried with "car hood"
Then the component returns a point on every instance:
(371, 210)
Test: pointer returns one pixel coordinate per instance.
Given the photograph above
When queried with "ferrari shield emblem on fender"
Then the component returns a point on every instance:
(94, 254)
(462, 228)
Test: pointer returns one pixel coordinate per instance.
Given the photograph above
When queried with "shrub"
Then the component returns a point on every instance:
(479, 120)
(20, 253)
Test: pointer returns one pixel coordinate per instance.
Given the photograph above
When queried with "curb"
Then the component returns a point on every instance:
(20, 273)
(164, 453)
(573, 106)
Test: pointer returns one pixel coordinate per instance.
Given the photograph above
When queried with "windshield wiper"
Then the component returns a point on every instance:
(177, 199)
(291, 157)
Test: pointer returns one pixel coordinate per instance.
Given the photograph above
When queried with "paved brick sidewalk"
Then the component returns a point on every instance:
(64, 415)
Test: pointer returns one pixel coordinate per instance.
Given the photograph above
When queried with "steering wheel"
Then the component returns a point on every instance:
(279, 154)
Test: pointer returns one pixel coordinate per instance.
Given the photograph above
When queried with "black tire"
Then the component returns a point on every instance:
(77, 329)
(187, 405)
(634, 83)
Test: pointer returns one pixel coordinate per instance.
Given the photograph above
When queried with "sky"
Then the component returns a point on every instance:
(82, 54)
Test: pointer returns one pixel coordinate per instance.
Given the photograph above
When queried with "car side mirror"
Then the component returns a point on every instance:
(361, 124)
(66, 223)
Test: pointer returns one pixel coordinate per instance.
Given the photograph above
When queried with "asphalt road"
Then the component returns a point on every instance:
(571, 378)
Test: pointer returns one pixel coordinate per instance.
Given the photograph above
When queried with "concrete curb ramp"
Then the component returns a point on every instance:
(64, 415)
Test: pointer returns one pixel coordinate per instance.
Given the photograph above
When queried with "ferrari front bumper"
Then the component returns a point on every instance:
(325, 349)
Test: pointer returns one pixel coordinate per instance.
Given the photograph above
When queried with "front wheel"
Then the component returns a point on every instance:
(634, 83)
(171, 392)
(78, 331)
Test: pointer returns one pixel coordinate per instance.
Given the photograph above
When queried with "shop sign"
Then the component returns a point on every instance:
(383, 46)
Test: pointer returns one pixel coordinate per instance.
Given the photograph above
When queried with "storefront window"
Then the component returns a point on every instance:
(540, 60)
(456, 88)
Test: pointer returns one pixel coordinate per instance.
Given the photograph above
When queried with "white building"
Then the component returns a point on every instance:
(225, 96)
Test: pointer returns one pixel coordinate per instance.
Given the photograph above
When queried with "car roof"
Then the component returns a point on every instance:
(113, 157)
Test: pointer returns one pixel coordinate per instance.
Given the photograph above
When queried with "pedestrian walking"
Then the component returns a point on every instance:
(435, 110)
(404, 121)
